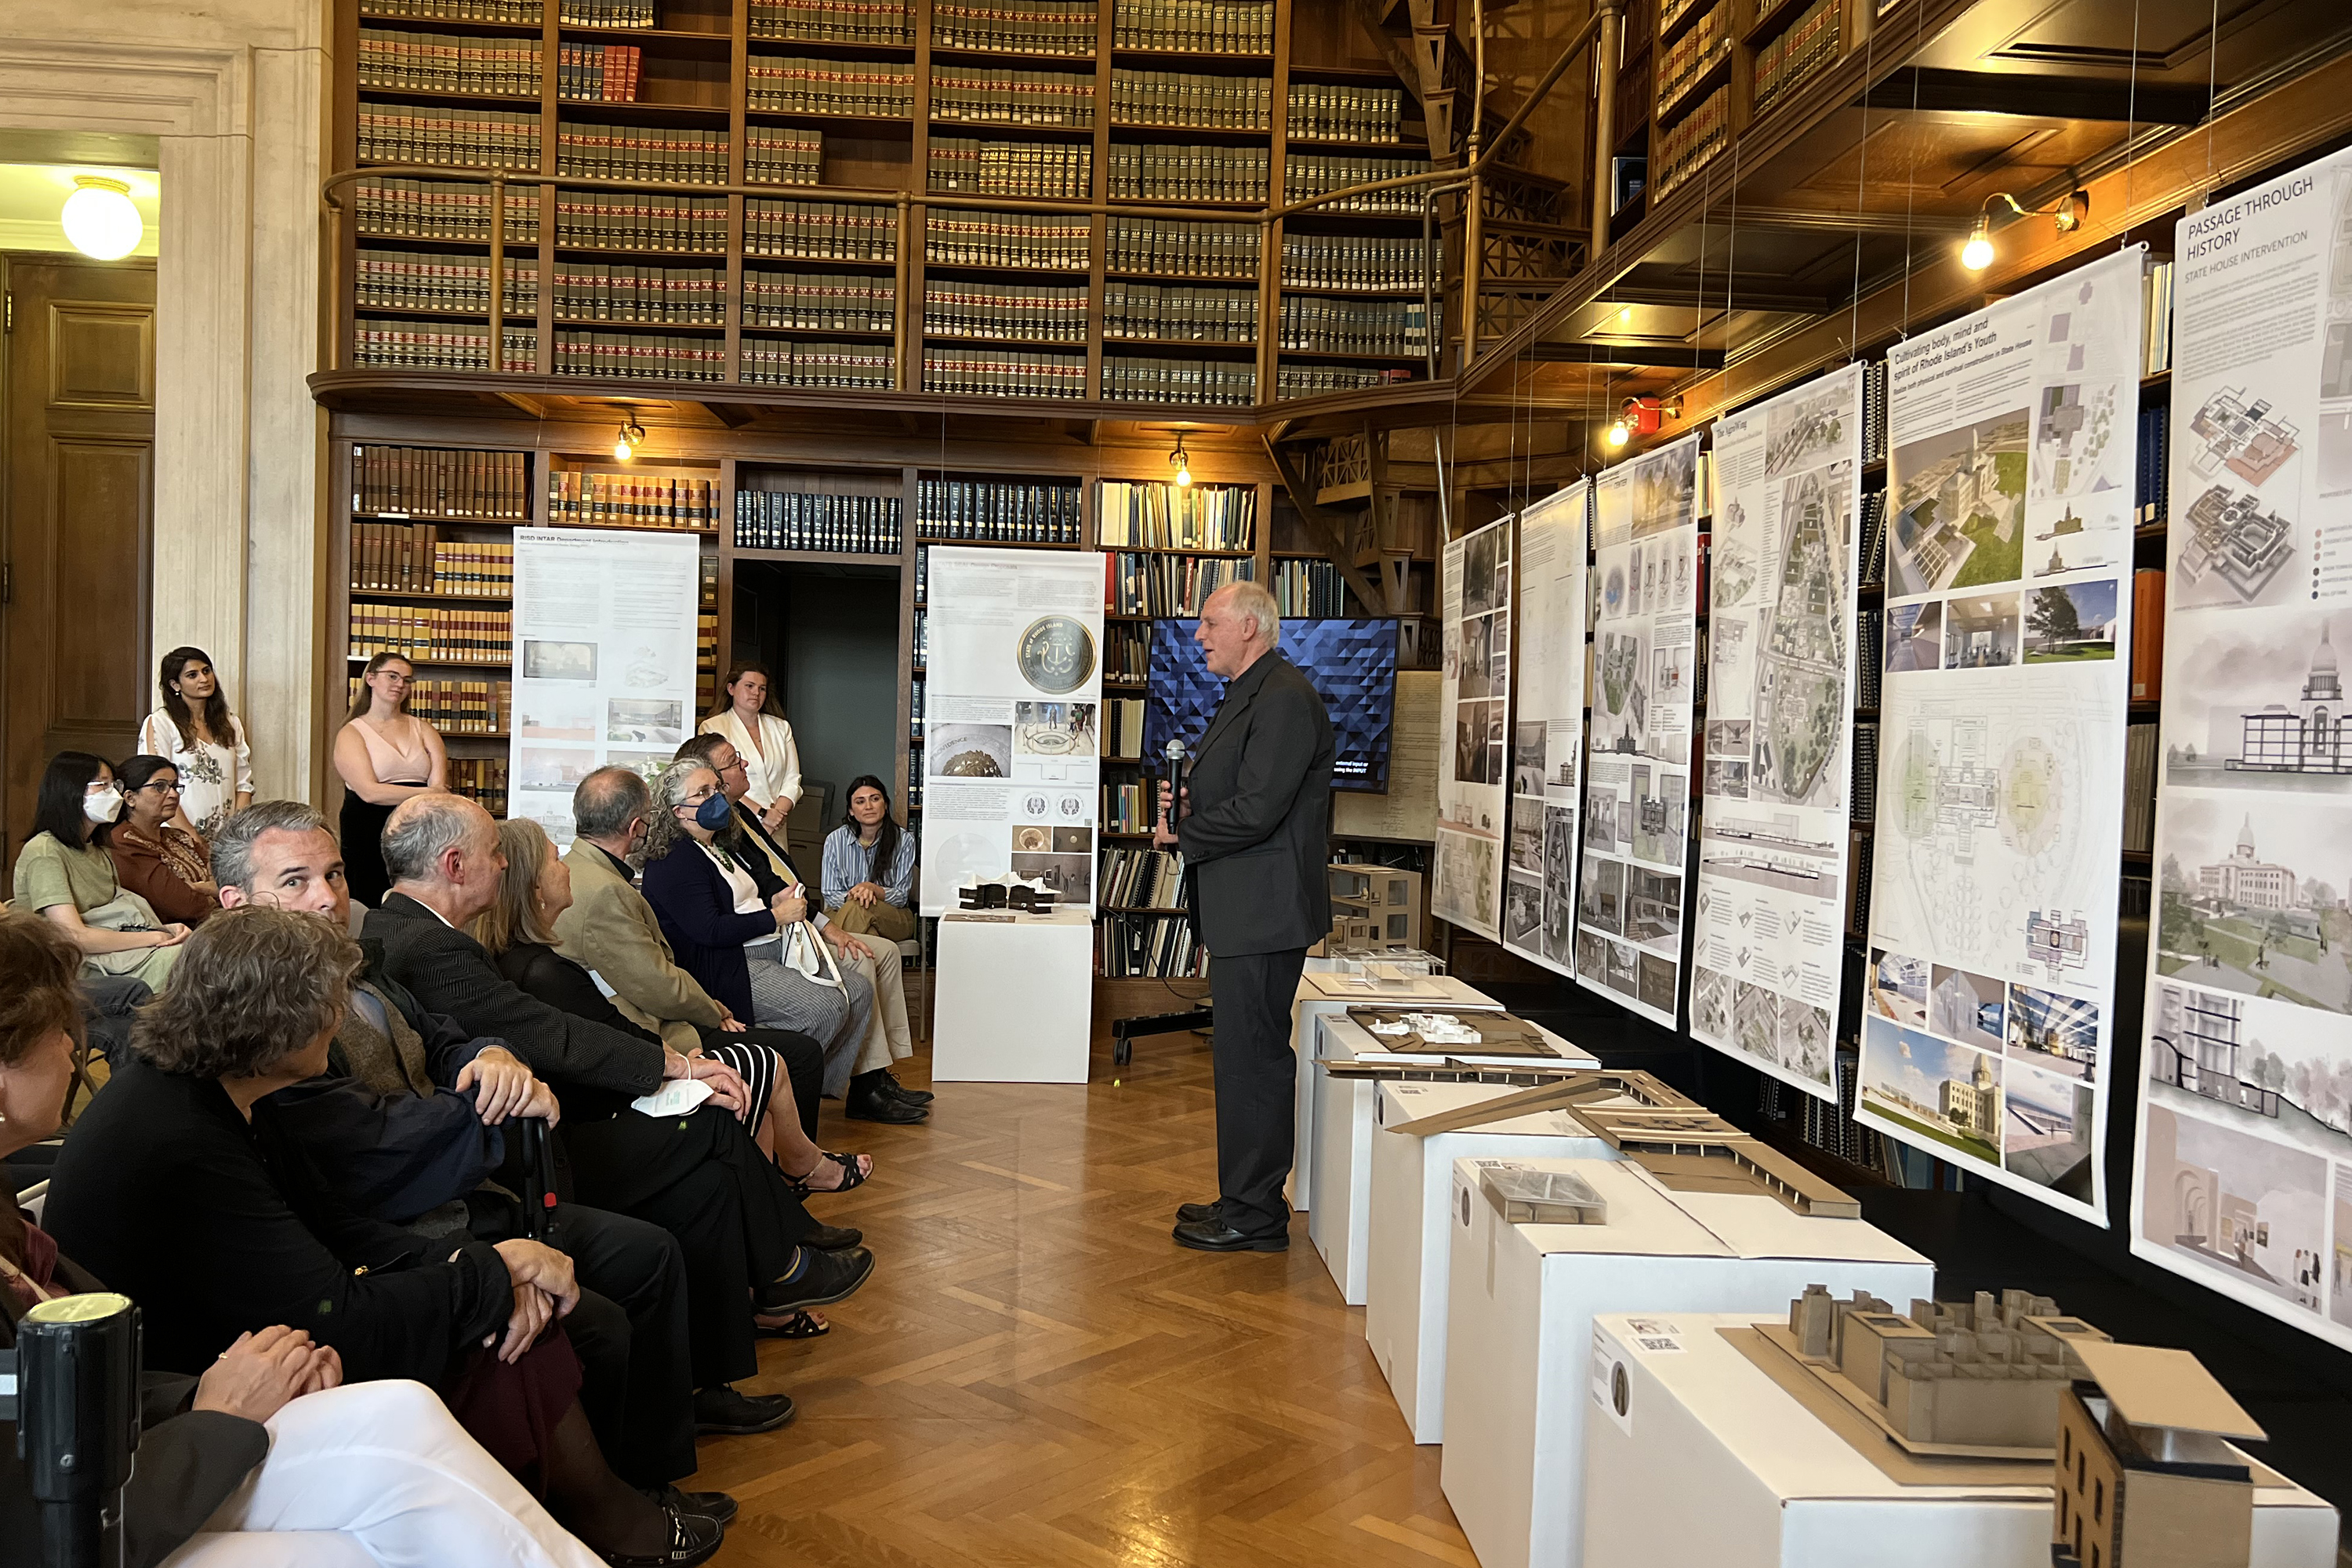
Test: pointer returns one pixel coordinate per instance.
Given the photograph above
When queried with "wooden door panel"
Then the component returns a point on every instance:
(101, 357)
(100, 493)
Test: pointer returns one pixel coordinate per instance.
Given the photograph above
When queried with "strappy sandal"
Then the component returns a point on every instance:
(795, 1325)
(851, 1175)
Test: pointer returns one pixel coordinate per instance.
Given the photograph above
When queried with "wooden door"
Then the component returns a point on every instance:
(77, 508)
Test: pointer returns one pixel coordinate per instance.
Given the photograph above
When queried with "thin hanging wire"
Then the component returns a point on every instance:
(2131, 129)
(1910, 180)
(1862, 168)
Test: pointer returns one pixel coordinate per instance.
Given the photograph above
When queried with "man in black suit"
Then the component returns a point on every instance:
(1254, 828)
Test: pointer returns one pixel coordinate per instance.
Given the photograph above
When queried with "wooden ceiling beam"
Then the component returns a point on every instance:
(1928, 89)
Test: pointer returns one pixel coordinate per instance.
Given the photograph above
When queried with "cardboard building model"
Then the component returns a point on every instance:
(2144, 1476)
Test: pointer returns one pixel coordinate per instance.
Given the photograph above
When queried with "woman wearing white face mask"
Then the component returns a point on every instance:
(65, 875)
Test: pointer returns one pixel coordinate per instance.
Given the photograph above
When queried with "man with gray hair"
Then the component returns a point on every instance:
(1254, 826)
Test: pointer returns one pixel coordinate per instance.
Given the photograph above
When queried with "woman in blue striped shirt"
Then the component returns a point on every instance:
(869, 867)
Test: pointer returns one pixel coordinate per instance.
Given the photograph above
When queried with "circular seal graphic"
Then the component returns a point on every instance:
(1056, 654)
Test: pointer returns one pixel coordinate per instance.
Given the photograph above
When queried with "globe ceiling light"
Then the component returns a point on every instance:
(100, 220)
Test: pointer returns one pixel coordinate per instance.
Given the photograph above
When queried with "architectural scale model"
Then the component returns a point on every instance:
(2248, 439)
(2144, 1476)
(2232, 538)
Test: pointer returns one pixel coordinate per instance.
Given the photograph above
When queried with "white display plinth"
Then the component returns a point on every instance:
(1340, 1222)
(1016, 999)
(1518, 1332)
(1713, 1465)
(1409, 1246)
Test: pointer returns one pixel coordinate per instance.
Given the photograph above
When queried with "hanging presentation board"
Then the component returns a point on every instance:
(1768, 955)
(2244, 1174)
(1408, 812)
(1012, 709)
(1989, 991)
(1547, 730)
(1630, 887)
(603, 660)
(1472, 771)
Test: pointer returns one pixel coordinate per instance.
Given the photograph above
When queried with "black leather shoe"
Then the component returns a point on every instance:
(834, 1237)
(1196, 1214)
(824, 1278)
(1216, 1235)
(716, 1507)
(692, 1538)
(723, 1412)
(891, 1086)
(880, 1105)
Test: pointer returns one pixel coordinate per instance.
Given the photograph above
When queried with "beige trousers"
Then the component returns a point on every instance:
(888, 1038)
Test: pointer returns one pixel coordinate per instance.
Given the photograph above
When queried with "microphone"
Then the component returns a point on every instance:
(1171, 783)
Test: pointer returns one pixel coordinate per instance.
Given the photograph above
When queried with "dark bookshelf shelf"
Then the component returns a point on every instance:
(1332, 291)
(1001, 270)
(1186, 343)
(519, 316)
(1230, 134)
(718, 255)
(828, 262)
(961, 340)
(637, 326)
(882, 332)
(716, 44)
(1179, 550)
(436, 97)
(476, 247)
(1357, 357)
(991, 129)
(1686, 19)
(1186, 278)
(1771, 16)
(1196, 56)
(1048, 58)
(1384, 148)
(646, 111)
(414, 597)
(875, 48)
(897, 124)
(451, 24)
(1693, 93)
(813, 558)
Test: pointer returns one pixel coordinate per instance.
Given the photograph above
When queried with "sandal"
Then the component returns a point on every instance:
(793, 1325)
(852, 1176)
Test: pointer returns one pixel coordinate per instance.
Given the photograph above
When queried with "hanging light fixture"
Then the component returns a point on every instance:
(99, 218)
(1977, 253)
(631, 436)
(1181, 462)
(1619, 433)
(2067, 216)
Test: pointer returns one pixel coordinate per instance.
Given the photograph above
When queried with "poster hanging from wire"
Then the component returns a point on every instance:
(1989, 987)
(1768, 955)
(1472, 775)
(1548, 729)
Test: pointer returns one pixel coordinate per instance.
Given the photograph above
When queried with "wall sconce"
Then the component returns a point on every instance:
(631, 436)
(1182, 463)
(1977, 253)
(1643, 416)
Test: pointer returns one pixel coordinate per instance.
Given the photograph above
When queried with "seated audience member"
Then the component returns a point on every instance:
(877, 1095)
(266, 1440)
(196, 732)
(153, 856)
(752, 721)
(750, 1245)
(63, 874)
(869, 867)
(384, 754)
(406, 1126)
(167, 1191)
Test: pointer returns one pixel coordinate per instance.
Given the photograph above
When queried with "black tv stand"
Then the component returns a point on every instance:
(1123, 1031)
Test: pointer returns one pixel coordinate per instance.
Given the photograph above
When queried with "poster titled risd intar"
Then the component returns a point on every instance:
(1012, 732)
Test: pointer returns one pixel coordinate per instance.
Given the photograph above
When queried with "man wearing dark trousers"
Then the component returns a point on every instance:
(1255, 826)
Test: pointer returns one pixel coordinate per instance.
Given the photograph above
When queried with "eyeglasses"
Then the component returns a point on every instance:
(160, 786)
(698, 796)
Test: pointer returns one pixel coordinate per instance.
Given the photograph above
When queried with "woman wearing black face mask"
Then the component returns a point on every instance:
(64, 875)
(745, 937)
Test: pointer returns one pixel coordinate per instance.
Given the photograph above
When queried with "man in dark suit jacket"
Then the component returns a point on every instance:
(1255, 830)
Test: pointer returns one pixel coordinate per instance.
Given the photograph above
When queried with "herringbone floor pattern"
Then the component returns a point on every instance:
(1038, 1376)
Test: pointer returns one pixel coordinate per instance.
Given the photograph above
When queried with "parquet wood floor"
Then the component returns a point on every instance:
(1038, 1376)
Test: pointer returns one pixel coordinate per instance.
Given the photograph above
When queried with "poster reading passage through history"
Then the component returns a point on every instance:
(1637, 788)
(1547, 730)
(1989, 987)
(2245, 1180)
(1012, 731)
(603, 660)
(1768, 955)
(1472, 769)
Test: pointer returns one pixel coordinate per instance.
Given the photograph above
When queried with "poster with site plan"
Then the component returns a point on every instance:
(1473, 768)
(2243, 1179)
(1988, 991)
(1547, 730)
(1630, 895)
(1768, 955)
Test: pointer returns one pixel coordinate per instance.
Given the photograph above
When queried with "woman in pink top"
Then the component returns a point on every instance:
(384, 754)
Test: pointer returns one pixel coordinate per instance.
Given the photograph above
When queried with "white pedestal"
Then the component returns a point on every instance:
(1409, 1247)
(1015, 1001)
(1340, 1222)
(1713, 1465)
(1518, 1335)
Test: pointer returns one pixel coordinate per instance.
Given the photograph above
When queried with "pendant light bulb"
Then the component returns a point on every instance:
(1977, 253)
(1619, 434)
(625, 445)
(1179, 462)
(99, 218)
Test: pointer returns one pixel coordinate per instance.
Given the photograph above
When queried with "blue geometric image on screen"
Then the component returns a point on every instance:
(1352, 662)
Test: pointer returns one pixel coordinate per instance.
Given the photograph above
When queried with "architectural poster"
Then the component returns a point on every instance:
(1473, 771)
(1631, 895)
(2244, 1179)
(1011, 738)
(1768, 957)
(1547, 730)
(1990, 990)
(603, 660)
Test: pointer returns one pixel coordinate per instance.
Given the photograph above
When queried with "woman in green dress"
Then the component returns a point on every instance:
(65, 875)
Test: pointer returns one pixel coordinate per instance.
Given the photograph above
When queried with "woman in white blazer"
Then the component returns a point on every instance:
(752, 721)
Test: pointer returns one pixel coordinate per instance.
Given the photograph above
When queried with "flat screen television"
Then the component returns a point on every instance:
(1352, 662)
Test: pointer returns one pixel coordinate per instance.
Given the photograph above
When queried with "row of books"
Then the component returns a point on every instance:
(518, 12)
(1873, 539)
(1005, 239)
(1828, 1127)
(819, 301)
(649, 152)
(623, 291)
(1003, 372)
(1310, 589)
(1358, 263)
(1157, 515)
(433, 634)
(1150, 947)
(821, 231)
(1213, 383)
(1175, 247)
(975, 96)
(1869, 657)
(1864, 802)
(778, 156)
(776, 361)
(1322, 113)
(1690, 56)
(459, 706)
(1053, 170)
(606, 12)
(1295, 380)
(1158, 586)
(2139, 788)
(436, 280)
(922, 639)
(677, 501)
(1797, 50)
(1135, 878)
(1126, 654)
(1195, 27)
(385, 345)
(1318, 174)
(1015, 27)
(1125, 808)
(640, 356)
(2152, 484)
(407, 558)
(833, 21)
(802, 519)
(2156, 314)
(1309, 322)
(1176, 172)
(445, 62)
(439, 482)
(780, 85)
(598, 73)
(1177, 314)
(1181, 98)
(449, 138)
(1873, 412)
(1691, 141)
(994, 512)
(1122, 727)
(439, 209)
(606, 220)
(482, 780)
(1857, 882)
(2148, 635)
(1021, 313)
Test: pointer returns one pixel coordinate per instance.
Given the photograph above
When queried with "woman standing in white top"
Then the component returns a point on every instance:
(384, 754)
(204, 740)
(754, 723)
